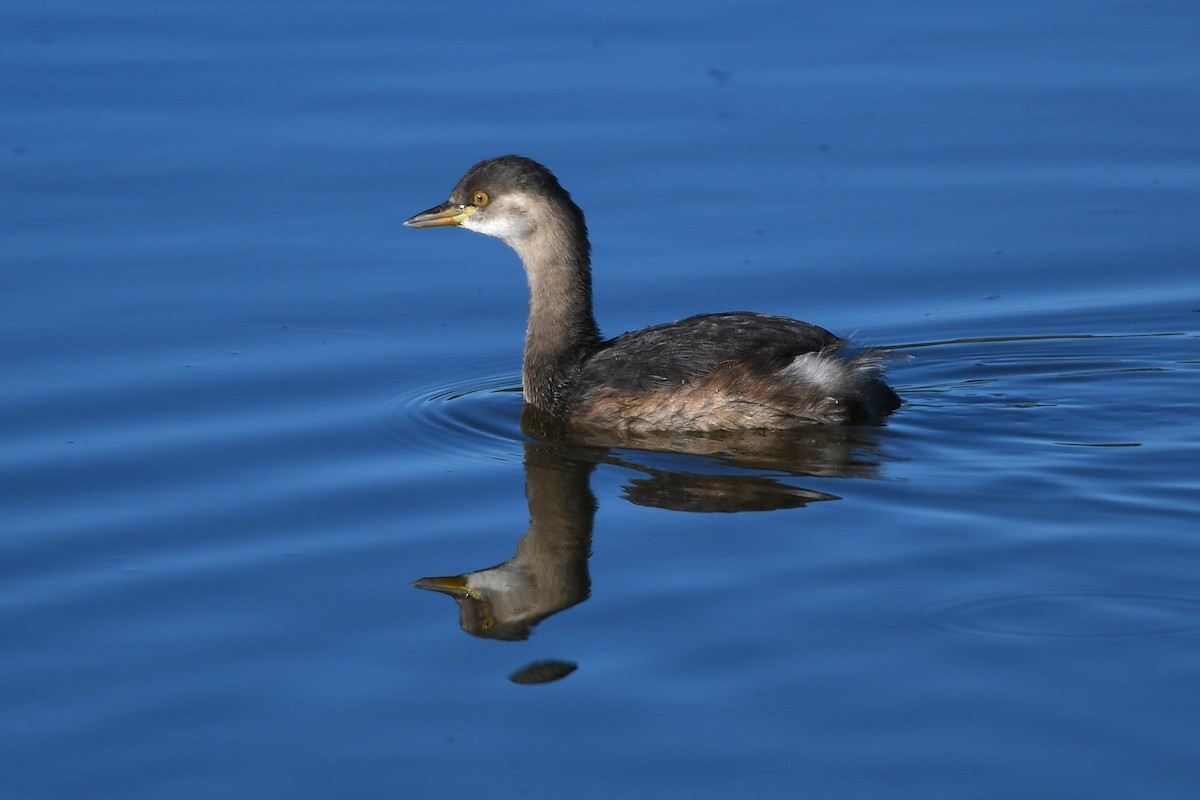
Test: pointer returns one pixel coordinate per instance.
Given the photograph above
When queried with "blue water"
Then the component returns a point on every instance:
(243, 410)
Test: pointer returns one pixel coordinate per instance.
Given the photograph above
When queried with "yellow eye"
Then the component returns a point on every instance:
(480, 199)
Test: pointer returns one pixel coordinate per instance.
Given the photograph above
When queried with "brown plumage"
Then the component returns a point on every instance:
(736, 370)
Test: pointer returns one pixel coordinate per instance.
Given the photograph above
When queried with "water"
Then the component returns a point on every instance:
(243, 410)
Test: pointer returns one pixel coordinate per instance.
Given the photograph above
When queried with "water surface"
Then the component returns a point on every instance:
(243, 410)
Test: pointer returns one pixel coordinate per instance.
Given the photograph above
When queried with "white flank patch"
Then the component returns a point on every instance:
(826, 372)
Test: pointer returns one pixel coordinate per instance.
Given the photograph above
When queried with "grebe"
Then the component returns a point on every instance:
(711, 372)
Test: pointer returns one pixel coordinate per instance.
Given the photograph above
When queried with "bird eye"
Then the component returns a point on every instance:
(480, 199)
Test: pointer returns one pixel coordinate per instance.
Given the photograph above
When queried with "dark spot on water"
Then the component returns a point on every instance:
(543, 672)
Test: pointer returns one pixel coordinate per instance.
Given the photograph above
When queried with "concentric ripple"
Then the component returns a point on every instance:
(468, 416)
(1065, 615)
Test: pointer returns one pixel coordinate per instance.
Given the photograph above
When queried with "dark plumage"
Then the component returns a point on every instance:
(704, 373)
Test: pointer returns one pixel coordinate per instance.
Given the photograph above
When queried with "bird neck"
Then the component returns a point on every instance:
(562, 329)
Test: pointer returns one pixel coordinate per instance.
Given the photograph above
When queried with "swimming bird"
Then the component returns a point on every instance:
(711, 372)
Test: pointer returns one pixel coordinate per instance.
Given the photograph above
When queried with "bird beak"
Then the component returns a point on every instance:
(456, 586)
(445, 214)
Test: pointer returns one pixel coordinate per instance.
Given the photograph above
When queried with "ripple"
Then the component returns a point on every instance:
(482, 413)
(1064, 615)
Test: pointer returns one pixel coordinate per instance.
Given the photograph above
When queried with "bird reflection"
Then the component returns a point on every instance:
(747, 471)
(550, 569)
